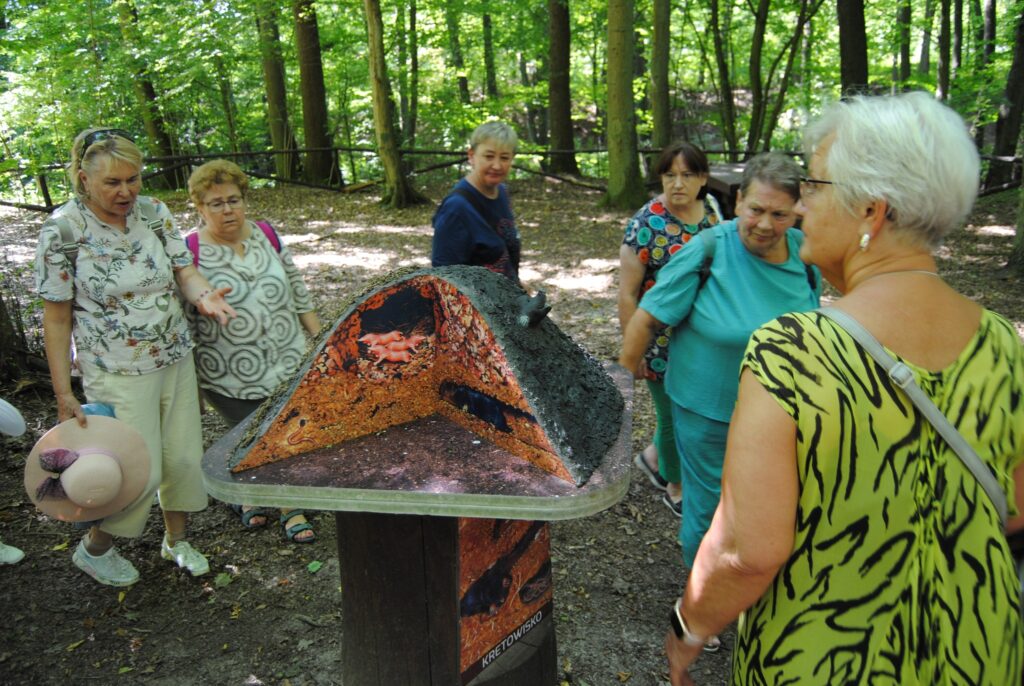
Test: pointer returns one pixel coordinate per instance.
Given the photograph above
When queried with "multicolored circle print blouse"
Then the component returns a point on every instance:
(655, 235)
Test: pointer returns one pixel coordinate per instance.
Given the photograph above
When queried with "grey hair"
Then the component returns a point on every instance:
(774, 169)
(116, 148)
(908, 150)
(497, 131)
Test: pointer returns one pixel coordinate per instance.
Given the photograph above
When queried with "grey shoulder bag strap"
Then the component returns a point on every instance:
(904, 378)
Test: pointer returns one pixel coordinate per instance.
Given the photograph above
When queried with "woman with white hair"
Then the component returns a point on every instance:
(474, 224)
(858, 545)
(108, 265)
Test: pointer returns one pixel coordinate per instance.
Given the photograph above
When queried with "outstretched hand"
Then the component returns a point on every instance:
(212, 304)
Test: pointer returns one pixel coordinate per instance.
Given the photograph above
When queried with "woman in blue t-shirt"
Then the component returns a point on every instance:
(474, 224)
(756, 275)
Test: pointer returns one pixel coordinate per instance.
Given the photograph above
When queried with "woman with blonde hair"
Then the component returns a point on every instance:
(108, 265)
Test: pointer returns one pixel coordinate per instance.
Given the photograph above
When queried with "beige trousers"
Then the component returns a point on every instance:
(163, 406)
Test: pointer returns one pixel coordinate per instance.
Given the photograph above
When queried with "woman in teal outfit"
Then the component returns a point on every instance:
(756, 274)
(653, 235)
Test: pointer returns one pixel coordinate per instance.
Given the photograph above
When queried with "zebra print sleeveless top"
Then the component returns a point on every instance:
(900, 573)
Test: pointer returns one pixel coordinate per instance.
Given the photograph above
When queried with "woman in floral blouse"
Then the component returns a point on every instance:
(653, 235)
(107, 266)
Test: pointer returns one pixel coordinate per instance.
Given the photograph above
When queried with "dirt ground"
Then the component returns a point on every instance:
(269, 611)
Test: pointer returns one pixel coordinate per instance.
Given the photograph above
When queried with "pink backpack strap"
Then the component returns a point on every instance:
(271, 234)
(192, 242)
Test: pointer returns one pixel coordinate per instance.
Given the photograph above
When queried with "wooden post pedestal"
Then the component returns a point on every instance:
(400, 578)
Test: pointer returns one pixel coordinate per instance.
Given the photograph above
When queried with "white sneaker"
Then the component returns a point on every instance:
(109, 568)
(185, 556)
(9, 554)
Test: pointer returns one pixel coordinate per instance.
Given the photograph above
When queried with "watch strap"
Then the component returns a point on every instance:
(682, 631)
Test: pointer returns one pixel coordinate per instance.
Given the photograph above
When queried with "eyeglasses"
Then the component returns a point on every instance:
(104, 135)
(219, 206)
(809, 186)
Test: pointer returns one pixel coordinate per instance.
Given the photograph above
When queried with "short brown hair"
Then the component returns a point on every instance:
(695, 159)
(213, 173)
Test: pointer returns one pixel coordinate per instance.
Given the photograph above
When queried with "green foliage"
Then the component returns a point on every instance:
(66, 65)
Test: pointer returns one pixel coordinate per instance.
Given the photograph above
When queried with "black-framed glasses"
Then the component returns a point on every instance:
(104, 135)
(809, 186)
(221, 206)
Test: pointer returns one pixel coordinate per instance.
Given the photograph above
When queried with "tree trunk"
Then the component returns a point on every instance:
(904, 17)
(942, 88)
(924, 61)
(985, 36)
(146, 97)
(757, 95)
(286, 165)
(853, 46)
(808, 10)
(625, 188)
(227, 101)
(958, 36)
(491, 85)
(398, 192)
(320, 168)
(661, 109)
(1017, 251)
(726, 106)
(403, 68)
(451, 18)
(409, 123)
(559, 95)
(1009, 121)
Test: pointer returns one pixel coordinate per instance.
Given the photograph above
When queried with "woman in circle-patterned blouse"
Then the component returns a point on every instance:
(653, 235)
(240, 365)
(857, 544)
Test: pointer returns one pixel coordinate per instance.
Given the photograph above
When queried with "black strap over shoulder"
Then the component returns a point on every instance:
(709, 242)
(69, 241)
(474, 200)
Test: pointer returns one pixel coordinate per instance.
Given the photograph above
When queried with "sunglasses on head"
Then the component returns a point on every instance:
(105, 135)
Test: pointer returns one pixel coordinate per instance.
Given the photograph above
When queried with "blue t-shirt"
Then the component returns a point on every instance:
(462, 235)
(742, 293)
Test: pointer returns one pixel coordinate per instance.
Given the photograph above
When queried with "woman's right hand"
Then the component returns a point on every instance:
(68, 407)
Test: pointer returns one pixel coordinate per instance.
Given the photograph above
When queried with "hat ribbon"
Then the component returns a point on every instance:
(57, 460)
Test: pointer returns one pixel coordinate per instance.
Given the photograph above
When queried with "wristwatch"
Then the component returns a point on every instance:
(680, 628)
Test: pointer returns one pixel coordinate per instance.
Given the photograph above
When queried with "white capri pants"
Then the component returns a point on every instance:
(163, 406)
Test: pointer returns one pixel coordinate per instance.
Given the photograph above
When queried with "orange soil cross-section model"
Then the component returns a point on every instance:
(457, 342)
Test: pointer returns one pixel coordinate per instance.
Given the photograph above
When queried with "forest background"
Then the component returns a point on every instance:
(373, 102)
(377, 90)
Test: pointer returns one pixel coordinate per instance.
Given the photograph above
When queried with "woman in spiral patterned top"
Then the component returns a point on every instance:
(240, 365)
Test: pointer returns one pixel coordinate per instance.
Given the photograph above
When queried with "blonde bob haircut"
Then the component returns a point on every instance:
(908, 150)
(115, 146)
(212, 173)
(498, 132)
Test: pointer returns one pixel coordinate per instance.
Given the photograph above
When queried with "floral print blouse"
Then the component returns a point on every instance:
(127, 318)
(655, 235)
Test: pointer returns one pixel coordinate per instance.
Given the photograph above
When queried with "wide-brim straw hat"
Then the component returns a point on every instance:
(109, 469)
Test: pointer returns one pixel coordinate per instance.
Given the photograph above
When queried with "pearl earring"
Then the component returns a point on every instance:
(865, 239)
